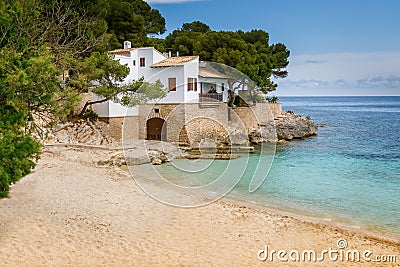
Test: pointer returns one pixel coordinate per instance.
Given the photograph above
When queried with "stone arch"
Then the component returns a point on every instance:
(156, 129)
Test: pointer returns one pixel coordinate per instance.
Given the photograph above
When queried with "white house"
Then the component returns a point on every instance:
(197, 97)
(186, 79)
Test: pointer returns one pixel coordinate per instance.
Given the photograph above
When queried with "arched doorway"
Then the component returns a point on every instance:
(156, 129)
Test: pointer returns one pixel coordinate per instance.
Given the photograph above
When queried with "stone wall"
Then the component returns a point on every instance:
(246, 116)
(188, 122)
(127, 127)
(168, 112)
(276, 109)
(261, 113)
(205, 132)
(176, 116)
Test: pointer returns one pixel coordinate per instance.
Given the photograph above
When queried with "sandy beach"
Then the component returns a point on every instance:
(70, 212)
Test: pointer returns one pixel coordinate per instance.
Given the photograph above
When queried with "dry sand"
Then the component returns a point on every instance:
(69, 212)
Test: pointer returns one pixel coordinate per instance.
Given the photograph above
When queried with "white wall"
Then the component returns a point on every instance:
(157, 56)
(163, 74)
(128, 60)
(191, 70)
(111, 109)
(151, 55)
(102, 108)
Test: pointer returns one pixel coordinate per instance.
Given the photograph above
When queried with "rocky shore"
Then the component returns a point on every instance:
(293, 126)
(286, 126)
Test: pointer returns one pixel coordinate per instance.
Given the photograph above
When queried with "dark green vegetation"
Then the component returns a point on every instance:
(52, 51)
(249, 52)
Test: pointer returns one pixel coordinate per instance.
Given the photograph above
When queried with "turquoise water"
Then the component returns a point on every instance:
(349, 172)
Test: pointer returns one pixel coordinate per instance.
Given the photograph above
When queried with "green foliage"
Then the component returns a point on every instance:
(249, 52)
(238, 101)
(18, 150)
(157, 43)
(196, 26)
(140, 92)
(273, 99)
(130, 20)
(90, 115)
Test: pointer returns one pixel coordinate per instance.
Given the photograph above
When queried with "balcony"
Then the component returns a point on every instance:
(210, 97)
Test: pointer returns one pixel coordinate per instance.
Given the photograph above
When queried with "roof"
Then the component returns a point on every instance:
(174, 61)
(122, 51)
(203, 72)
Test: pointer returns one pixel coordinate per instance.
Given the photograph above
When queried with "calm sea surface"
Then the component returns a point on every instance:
(350, 172)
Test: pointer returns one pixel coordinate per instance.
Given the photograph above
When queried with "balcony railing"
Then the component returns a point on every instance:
(210, 97)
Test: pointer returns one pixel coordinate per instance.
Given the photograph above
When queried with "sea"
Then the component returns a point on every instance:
(349, 173)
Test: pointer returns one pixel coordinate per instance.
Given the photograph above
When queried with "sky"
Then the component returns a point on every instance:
(338, 47)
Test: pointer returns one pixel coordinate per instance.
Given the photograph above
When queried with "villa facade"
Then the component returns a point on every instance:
(196, 97)
(185, 78)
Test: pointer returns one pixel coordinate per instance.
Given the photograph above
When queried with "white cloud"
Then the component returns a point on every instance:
(379, 82)
(342, 73)
(170, 1)
(305, 83)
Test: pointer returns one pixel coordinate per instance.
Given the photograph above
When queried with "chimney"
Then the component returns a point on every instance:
(127, 45)
(177, 53)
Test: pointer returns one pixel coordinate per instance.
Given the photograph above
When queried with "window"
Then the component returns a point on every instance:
(223, 87)
(142, 62)
(157, 110)
(134, 62)
(172, 84)
(192, 84)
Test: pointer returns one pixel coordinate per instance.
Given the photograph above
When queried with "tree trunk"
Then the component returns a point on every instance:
(89, 103)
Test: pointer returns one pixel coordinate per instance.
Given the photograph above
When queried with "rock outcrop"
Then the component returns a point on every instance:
(155, 152)
(236, 137)
(264, 133)
(82, 132)
(142, 152)
(295, 126)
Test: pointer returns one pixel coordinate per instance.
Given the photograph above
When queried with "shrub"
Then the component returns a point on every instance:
(90, 115)
(18, 150)
(273, 99)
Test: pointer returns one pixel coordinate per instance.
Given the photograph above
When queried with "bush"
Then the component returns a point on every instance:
(273, 99)
(254, 98)
(18, 150)
(237, 101)
(90, 115)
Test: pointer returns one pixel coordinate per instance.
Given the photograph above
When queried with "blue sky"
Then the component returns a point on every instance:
(337, 47)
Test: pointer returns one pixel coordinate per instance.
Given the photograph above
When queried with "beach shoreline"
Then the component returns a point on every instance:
(323, 221)
(71, 212)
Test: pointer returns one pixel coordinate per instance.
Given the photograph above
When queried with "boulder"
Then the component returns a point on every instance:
(156, 161)
(237, 137)
(295, 126)
(264, 133)
(157, 157)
